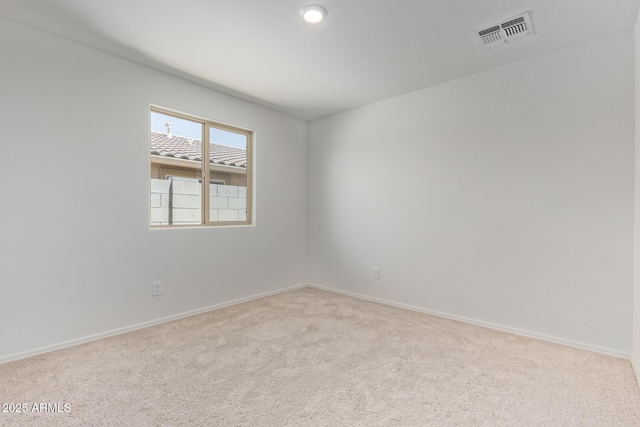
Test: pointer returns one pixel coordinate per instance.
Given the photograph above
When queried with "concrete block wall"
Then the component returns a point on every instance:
(227, 202)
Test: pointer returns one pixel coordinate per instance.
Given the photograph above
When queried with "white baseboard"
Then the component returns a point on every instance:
(635, 363)
(521, 332)
(89, 338)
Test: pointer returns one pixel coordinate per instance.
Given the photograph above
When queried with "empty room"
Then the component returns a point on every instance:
(319, 213)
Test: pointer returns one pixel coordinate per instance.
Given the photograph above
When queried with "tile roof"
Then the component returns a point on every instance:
(181, 147)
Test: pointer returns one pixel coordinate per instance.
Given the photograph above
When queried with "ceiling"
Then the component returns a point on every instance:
(365, 51)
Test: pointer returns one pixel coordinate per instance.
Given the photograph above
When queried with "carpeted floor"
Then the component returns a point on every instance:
(310, 357)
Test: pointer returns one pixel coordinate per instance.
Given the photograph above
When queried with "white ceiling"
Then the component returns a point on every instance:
(365, 51)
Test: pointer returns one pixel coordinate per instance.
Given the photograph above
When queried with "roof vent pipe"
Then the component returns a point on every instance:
(168, 125)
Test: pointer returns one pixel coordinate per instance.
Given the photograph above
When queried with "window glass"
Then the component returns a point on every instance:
(200, 172)
(228, 202)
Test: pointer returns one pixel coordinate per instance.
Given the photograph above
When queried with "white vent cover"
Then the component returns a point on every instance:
(505, 31)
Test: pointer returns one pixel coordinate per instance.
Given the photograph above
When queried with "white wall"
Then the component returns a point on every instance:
(635, 356)
(515, 185)
(74, 125)
(505, 197)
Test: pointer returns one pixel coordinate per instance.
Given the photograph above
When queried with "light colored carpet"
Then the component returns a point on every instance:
(310, 357)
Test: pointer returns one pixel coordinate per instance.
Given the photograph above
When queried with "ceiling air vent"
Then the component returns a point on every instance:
(504, 32)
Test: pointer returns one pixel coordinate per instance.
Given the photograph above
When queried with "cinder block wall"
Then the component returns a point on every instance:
(227, 202)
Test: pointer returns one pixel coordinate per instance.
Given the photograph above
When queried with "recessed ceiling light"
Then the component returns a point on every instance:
(313, 13)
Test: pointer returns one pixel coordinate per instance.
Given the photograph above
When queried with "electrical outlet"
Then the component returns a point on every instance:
(376, 273)
(156, 288)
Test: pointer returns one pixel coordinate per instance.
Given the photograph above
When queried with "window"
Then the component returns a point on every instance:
(200, 171)
(211, 181)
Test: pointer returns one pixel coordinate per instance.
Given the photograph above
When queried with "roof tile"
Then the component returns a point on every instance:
(191, 149)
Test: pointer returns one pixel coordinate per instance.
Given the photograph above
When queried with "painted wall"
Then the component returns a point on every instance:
(86, 265)
(505, 197)
(635, 356)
